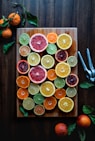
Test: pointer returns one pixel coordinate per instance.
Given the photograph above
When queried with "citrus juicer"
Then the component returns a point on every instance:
(90, 73)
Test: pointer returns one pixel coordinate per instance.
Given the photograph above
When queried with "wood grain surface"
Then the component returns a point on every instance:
(50, 13)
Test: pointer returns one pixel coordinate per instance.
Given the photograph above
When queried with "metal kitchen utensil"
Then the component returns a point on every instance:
(90, 73)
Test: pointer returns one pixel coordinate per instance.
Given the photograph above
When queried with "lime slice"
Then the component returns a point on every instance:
(33, 58)
(51, 49)
(59, 82)
(71, 92)
(28, 103)
(33, 88)
(24, 39)
(38, 98)
(47, 61)
(39, 110)
(72, 61)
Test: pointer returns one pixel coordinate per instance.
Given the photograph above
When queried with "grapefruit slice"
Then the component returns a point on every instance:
(61, 55)
(38, 42)
(50, 103)
(47, 61)
(47, 89)
(33, 58)
(72, 80)
(52, 37)
(23, 66)
(64, 41)
(37, 74)
(66, 104)
(62, 69)
(24, 50)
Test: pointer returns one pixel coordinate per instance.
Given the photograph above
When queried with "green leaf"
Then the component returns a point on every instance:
(7, 46)
(71, 128)
(82, 134)
(31, 18)
(92, 117)
(23, 20)
(87, 109)
(5, 24)
(86, 85)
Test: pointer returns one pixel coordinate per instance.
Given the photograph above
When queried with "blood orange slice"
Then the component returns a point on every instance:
(38, 42)
(50, 103)
(61, 55)
(37, 74)
(72, 80)
(23, 66)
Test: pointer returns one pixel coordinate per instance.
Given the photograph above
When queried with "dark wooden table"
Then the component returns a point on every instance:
(50, 13)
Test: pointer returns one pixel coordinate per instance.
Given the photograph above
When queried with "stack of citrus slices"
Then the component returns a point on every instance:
(44, 73)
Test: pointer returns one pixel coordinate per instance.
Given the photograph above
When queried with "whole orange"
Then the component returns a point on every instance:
(61, 129)
(6, 33)
(83, 121)
(1, 21)
(14, 19)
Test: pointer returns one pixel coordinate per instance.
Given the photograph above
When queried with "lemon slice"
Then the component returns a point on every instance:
(33, 88)
(47, 61)
(33, 58)
(66, 104)
(47, 89)
(64, 41)
(24, 39)
(28, 103)
(62, 69)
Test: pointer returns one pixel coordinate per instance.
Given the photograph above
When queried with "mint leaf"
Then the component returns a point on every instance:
(87, 109)
(86, 85)
(71, 128)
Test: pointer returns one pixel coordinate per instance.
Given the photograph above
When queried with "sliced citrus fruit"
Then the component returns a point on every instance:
(52, 37)
(39, 110)
(38, 42)
(71, 91)
(23, 81)
(37, 74)
(72, 61)
(66, 104)
(50, 103)
(59, 82)
(64, 41)
(38, 98)
(33, 58)
(22, 93)
(24, 39)
(72, 80)
(23, 66)
(47, 89)
(47, 61)
(51, 49)
(33, 88)
(59, 93)
(61, 55)
(24, 50)
(51, 75)
(28, 103)
(62, 69)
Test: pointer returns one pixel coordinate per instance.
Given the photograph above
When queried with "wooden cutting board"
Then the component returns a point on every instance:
(71, 31)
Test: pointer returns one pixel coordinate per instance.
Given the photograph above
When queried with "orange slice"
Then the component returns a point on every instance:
(66, 104)
(50, 103)
(47, 89)
(22, 93)
(64, 41)
(23, 66)
(23, 81)
(59, 93)
(51, 75)
(52, 37)
(62, 69)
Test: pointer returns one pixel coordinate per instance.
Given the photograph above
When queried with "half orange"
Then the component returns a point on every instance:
(52, 37)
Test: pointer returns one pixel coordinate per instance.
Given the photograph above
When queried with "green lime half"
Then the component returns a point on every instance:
(71, 91)
(33, 88)
(51, 49)
(28, 103)
(38, 98)
(59, 82)
(72, 61)
(24, 39)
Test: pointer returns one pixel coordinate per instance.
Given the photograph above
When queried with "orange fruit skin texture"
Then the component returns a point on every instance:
(1, 21)
(14, 19)
(61, 129)
(7, 33)
(83, 121)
